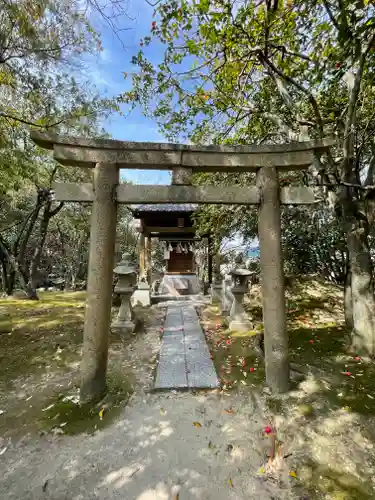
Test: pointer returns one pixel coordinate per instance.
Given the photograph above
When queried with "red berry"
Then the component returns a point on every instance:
(153, 24)
(252, 369)
(268, 430)
(311, 341)
(347, 374)
(338, 65)
(228, 342)
(358, 358)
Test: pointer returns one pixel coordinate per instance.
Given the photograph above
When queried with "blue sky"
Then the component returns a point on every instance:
(106, 70)
(106, 73)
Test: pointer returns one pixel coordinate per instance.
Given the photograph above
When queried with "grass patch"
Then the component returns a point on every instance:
(39, 361)
(324, 482)
(233, 353)
(44, 334)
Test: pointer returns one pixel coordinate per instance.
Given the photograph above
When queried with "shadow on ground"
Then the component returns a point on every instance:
(39, 362)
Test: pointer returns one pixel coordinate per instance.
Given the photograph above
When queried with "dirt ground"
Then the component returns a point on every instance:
(239, 442)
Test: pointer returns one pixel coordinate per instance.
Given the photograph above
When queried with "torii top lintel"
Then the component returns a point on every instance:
(76, 151)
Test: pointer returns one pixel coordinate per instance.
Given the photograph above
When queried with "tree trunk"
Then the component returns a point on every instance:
(348, 303)
(360, 310)
(362, 289)
(4, 276)
(35, 261)
(23, 241)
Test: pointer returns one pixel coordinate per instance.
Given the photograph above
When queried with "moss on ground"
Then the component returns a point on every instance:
(45, 334)
(344, 383)
(324, 482)
(232, 352)
(39, 360)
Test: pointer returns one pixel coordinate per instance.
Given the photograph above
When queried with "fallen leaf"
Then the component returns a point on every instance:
(262, 470)
(197, 424)
(48, 407)
(162, 411)
(101, 414)
(230, 482)
(292, 474)
(230, 411)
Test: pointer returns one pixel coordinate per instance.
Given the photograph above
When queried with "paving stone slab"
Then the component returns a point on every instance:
(172, 345)
(170, 331)
(197, 351)
(171, 373)
(201, 374)
(184, 359)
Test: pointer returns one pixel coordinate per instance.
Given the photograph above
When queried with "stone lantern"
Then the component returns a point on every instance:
(216, 289)
(227, 296)
(239, 320)
(127, 278)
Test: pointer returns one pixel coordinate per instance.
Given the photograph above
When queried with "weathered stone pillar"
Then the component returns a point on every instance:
(216, 285)
(272, 281)
(142, 256)
(209, 260)
(148, 261)
(99, 283)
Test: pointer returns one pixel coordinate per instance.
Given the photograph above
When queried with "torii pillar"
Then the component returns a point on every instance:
(99, 283)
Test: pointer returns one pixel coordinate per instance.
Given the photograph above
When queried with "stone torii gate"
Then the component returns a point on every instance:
(107, 157)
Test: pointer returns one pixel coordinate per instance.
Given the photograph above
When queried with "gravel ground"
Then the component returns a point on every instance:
(163, 444)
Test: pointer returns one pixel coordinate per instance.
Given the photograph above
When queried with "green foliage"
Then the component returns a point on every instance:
(41, 47)
(238, 72)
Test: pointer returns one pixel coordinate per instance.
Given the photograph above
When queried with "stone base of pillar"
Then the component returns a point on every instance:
(123, 328)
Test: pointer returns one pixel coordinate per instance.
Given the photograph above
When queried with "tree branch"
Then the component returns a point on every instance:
(265, 61)
(330, 15)
(56, 210)
(348, 146)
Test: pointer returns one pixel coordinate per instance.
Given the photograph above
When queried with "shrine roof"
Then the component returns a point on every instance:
(164, 207)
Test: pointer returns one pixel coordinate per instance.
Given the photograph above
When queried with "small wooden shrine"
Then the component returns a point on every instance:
(172, 224)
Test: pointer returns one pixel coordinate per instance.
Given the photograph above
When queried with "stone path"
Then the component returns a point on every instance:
(184, 360)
